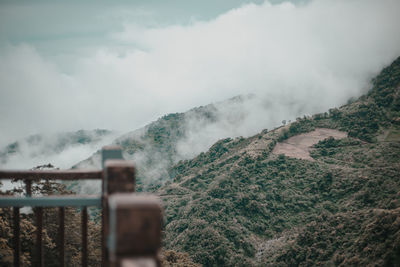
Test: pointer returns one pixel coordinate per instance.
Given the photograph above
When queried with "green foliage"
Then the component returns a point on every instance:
(366, 237)
(266, 197)
(170, 258)
(332, 142)
(301, 125)
(364, 118)
(385, 90)
(304, 125)
(364, 122)
(226, 202)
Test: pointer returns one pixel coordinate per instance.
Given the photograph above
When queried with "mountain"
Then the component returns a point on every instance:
(323, 190)
(61, 149)
(159, 145)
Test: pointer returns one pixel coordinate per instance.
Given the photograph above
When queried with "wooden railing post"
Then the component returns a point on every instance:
(17, 243)
(118, 176)
(135, 229)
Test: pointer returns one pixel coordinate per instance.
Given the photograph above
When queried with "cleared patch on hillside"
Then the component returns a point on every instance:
(393, 136)
(299, 146)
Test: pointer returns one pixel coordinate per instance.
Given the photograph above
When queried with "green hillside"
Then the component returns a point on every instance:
(240, 204)
(154, 148)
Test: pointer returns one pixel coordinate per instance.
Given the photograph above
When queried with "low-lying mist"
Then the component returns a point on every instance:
(62, 150)
(181, 136)
(284, 60)
(316, 54)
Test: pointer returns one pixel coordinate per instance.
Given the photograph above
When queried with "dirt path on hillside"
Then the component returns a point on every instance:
(299, 146)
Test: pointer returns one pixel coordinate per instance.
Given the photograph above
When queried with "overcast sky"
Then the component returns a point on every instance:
(121, 64)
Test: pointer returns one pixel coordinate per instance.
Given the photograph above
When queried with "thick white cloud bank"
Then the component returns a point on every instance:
(315, 55)
(55, 149)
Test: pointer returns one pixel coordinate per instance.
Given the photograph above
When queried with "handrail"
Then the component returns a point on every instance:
(139, 218)
(52, 201)
(52, 174)
(40, 202)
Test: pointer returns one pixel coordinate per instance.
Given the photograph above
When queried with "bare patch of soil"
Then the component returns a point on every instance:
(299, 146)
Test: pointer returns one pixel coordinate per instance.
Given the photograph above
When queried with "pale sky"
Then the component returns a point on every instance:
(121, 64)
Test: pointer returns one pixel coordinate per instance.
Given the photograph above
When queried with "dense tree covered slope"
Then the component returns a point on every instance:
(240, 204)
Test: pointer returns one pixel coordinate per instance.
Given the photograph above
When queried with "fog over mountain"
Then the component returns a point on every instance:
(62, 150)
(298, 58)
(269, 129)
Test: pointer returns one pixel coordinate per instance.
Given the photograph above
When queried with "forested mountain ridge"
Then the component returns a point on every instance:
(162, 143)
(240, 204)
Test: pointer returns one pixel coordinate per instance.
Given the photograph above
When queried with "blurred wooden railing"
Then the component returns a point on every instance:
(131, 222)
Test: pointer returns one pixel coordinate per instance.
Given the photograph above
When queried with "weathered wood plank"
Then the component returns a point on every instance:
(84, 237)
(51, 201)
(61, 232)
(119, 176)
(53, 175)
(17, 243)
(135, 222)
(39, 239)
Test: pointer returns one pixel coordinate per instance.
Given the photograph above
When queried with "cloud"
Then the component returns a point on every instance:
(61, 150)
(244, 116)
(316, 55)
